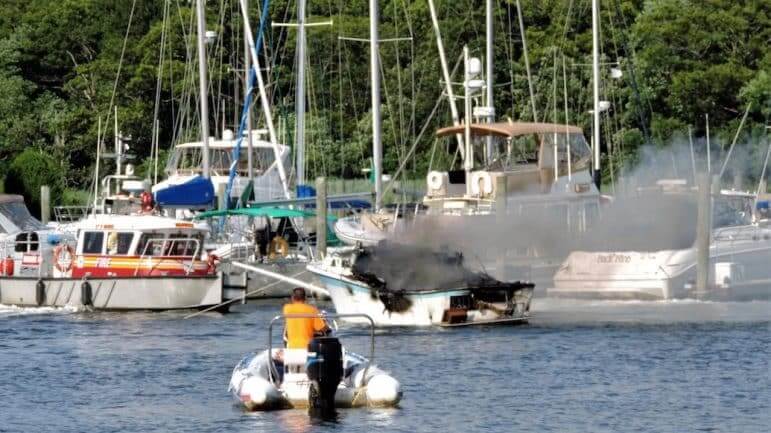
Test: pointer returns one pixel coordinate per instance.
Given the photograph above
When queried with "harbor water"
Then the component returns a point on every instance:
(579, 366)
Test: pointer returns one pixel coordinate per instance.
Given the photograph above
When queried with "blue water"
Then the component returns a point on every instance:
(577, 367)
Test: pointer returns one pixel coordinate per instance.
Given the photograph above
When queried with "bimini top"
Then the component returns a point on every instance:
(510, 129)
(269, 212)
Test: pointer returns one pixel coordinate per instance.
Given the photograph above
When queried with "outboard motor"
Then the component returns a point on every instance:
(325, 371)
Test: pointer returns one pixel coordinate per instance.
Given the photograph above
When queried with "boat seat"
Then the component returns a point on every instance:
(294, 360)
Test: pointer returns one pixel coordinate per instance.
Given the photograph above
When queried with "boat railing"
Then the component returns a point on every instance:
(728, 237)
(323, 316)
(71, 214)
(167, 248)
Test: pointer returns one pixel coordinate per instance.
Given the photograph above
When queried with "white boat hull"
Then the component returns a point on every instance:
(141, 293)
(361, 386)
(739, 270)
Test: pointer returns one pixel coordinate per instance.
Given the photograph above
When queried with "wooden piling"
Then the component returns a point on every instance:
(45, 204)
(501, 210)
(222, 202)
(321, 217)
(703, 232)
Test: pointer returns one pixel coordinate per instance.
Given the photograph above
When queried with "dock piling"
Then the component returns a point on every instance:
(45, 204)
(321, 216)
(703, 229)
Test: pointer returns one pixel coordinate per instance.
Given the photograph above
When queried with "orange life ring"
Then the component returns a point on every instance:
(211, 263)
(63, 265)
(278, 247)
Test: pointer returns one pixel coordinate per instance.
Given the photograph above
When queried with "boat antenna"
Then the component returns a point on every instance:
(736, 137)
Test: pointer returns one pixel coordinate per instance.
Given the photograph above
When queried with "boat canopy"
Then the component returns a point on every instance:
(513, 129)
(198, 191)
(263, 212)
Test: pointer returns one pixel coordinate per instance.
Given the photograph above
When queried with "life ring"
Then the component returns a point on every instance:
(211, 263)
(63, 264)
(278, 247)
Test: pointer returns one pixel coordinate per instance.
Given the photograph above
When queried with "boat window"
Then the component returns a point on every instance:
(580, 155)
(189, 160)
(180, 244)
(26, 242)
(92, 242)
(150, 244)
(119, 243)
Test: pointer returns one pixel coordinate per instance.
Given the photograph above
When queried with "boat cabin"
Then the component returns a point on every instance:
(187, 158)
(136, 245)
(540, 165)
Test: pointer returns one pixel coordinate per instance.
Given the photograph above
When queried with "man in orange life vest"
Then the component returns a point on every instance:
(300, 330)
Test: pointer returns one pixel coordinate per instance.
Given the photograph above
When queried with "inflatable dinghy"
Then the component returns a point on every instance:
(324, 376)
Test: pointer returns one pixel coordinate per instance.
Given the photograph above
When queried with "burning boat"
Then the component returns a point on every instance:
(401, 285)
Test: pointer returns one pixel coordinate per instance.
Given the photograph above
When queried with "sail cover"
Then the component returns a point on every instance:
(197, 192)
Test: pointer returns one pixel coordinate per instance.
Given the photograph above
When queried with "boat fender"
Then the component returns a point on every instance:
(324, 367)
(278, 247)
(86, 295)
(383, 390)
(40, 292)
(212, 263)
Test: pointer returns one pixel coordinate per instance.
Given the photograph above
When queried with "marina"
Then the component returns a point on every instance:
(247, 216)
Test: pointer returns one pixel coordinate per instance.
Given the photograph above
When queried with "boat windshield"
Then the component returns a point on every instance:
(189, 160)
(17, 214)
(732, 211)
(511, 152)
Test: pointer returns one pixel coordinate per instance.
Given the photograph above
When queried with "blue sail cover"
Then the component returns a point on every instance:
(197, 192)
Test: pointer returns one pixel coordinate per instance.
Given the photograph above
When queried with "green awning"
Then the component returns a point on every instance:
(260, 212)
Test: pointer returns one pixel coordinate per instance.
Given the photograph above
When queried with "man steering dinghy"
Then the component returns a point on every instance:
(299, 331)
(313, 370)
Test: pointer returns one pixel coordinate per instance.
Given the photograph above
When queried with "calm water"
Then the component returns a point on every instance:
(579, 366)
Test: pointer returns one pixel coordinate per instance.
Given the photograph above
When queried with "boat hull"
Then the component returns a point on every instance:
(131, 293)
(739, 270)
(362, 385)
(427, 308)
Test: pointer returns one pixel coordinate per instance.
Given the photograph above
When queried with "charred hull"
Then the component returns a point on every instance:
(407, 286)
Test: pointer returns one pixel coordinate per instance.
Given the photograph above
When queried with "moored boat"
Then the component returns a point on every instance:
(117, 262)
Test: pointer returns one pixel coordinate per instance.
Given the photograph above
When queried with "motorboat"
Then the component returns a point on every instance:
(538, 177)
(325, 376)
(115, 262)
(740, 251)
(403, 285)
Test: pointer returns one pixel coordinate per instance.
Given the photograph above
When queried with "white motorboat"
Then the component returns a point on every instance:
(118, 262)
(325, 376)
(401, 285)
(740, 251)
(543, 170)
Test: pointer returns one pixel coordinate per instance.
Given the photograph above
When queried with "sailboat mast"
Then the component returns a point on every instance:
(377, 146)
(446, 75)
(300, 94)
(203, 82)
(247, 72)
(596, 89)
(489, 76)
